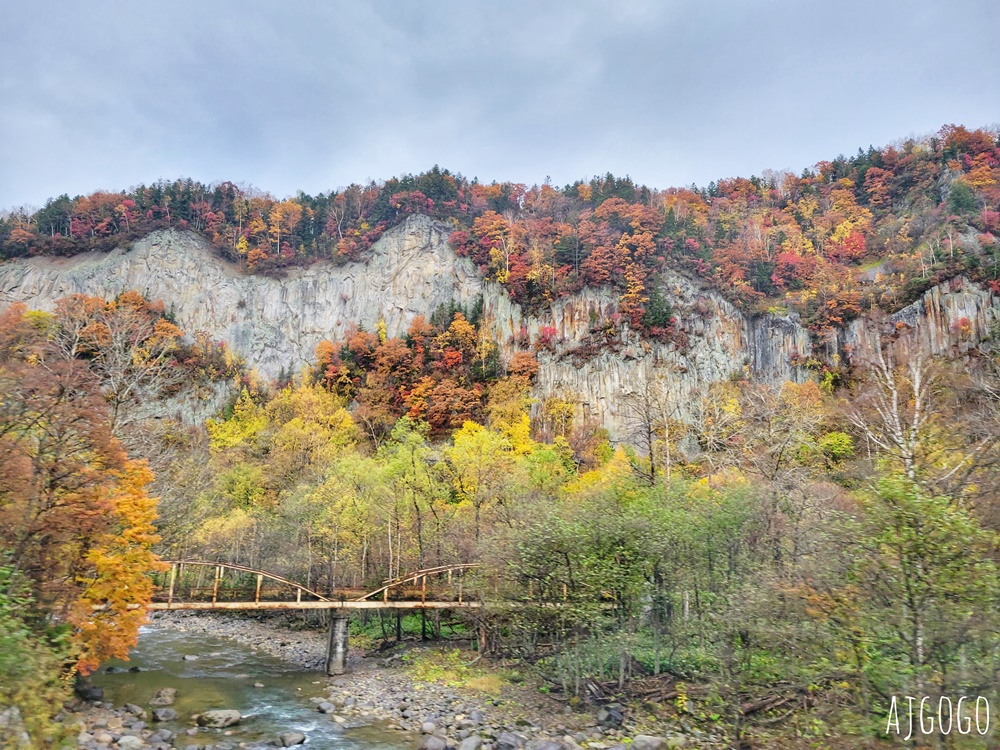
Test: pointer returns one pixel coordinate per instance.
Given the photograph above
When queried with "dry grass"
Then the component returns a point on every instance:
(454, 669)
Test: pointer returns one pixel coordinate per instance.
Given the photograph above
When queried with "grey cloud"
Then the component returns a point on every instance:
(313, 96)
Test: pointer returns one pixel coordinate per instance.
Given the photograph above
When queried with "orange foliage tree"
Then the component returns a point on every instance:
(74, 514)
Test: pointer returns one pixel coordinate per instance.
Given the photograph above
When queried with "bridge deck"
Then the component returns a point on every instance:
(348, 604)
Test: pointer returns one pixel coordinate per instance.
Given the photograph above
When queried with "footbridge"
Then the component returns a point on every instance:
(194, 584)
(201, 585)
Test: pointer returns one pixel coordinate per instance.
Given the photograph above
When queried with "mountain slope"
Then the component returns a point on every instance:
(587, 356)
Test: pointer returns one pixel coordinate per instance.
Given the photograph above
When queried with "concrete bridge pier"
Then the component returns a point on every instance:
(336, 647)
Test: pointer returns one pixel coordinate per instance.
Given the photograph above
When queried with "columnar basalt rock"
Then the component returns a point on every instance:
(277, 322)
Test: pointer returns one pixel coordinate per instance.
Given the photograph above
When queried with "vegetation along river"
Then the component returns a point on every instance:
(210, 672)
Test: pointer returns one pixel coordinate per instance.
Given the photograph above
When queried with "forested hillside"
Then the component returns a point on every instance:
(875, 229)
(774, 565)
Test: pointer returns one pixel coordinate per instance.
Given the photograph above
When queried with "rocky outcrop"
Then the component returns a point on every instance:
(953, 318)
(277, 322)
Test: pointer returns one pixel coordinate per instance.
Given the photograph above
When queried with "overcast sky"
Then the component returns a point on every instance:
(315, 95)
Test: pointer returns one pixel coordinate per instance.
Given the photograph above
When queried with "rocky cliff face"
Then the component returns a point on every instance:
(276, 323)
(953, 318)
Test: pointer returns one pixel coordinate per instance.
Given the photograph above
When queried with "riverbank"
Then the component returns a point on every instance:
(433, 697)
(473, 714)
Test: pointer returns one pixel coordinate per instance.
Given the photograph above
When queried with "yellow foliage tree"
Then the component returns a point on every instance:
(117, 587)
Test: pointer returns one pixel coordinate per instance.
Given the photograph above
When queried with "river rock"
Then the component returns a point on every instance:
(190, 657)
(220, 718)
(326, 707)
(164, 714)
(290, 739)
(89, 691)
(472, 742)
(647, 742)
(611, 715)
(510, 741)
(433, 742)
(543, 745)
(130, 742)
(164, 697)
(134, 709)
(428, 727)
(677, 740)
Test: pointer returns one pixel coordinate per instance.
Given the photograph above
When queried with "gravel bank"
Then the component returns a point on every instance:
(380, 692)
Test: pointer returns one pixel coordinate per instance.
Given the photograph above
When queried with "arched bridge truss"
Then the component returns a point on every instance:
(226, 590)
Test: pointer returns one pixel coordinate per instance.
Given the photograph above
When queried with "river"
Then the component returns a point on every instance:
(223, 675)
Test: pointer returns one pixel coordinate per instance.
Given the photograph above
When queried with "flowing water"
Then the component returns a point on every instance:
(223, 676)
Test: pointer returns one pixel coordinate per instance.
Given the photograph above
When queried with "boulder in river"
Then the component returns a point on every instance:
(164, 697)
(290, 739)
(164, 714)
(220, 718)
(88, 690)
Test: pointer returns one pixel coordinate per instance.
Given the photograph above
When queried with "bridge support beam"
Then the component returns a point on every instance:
(336, 647)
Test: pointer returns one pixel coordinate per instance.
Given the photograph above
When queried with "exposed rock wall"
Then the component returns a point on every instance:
(953, 318)
(276, 323)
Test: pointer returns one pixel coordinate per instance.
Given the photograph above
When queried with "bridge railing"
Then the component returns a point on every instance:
(198, 581)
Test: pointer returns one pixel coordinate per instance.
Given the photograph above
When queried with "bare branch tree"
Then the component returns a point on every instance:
(895, 402)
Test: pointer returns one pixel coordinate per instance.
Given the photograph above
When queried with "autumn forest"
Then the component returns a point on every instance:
(789, 555)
